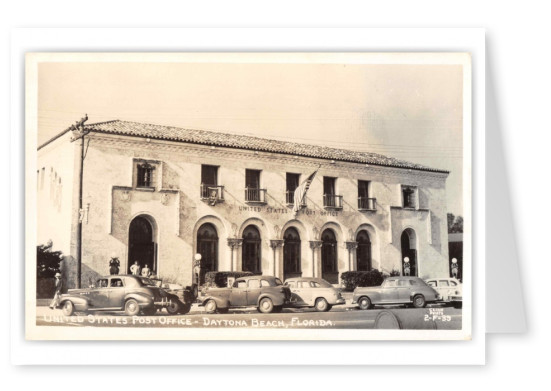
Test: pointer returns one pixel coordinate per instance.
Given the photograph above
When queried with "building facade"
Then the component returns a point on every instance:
(158, 195)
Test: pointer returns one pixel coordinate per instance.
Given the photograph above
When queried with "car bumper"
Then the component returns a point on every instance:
(163, 303)
(340, 301)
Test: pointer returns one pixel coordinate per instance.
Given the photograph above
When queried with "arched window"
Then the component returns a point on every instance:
(207, 246)
(363, 251)
(141, 244)
(291, 254)
(329, 267)
(251, 254)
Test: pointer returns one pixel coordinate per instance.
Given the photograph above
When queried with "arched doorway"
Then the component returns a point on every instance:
(207, 246)
(409, 249)
(363, 251)
(329, 267)
(251, 254)
(291, 254)
(141, 244)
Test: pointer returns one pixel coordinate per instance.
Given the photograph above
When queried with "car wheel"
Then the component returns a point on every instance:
(266, 305)
(184, 309)
(458, 304)
(131, 307)
(321, 305)
(149, 311)
(419, 301)
(173, 308)
(68, 308)
(210, 307)
(364, 303)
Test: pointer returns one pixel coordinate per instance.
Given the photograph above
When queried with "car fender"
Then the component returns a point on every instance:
(143, 299)
(220, 302)
(428, 298)
(79, 302)
(276, 299)
(373, 295)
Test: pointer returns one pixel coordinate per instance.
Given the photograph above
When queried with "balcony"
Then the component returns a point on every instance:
(290, 198)
(365, 203)
(332, 201)
(212, 193)
(255, 195)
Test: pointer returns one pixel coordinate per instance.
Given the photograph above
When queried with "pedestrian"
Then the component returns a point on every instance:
(146, 271)
(58, 289)
(135, 269)
(114, 265)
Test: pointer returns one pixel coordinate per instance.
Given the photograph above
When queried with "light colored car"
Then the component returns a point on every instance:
(396, 290)
(313, 292)
(450, 289)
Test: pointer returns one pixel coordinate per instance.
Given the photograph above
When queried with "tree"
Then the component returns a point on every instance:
(455, 224)
(47, 261)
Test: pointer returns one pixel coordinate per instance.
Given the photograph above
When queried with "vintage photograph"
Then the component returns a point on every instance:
(248, 196)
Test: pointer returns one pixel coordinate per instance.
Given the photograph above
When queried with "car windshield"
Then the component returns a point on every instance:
(278, 281)
(147, 281)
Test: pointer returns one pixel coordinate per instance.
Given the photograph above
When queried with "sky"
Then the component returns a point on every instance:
(411, 112)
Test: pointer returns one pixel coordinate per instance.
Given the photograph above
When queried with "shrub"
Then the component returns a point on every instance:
(351, 280)
(395, 273)
(47, 261)
(220, 279)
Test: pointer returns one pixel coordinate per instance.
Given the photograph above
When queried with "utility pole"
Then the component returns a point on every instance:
(78, 134)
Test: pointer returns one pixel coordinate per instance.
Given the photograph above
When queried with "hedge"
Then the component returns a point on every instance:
(220, 279)
(351, 280)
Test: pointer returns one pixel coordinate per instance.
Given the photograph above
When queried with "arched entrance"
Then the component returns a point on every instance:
(291, 254)
(141, 244)
(251, 254)
(409, 250)
(207, 246)
(363, 251)
(329, 267)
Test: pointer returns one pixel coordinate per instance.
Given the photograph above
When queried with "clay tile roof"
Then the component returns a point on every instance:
(205, 137)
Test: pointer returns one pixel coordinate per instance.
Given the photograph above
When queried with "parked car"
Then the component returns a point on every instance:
(450, 289)
(396, 290)
(131, 294)
(266, 293)
(313, 292)
(180, 298)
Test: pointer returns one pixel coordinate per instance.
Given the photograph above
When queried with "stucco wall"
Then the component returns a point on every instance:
(177, 210)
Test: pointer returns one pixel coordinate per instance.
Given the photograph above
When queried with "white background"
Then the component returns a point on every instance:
(517, 39)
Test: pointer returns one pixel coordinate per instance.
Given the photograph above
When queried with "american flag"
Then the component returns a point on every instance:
(300, 191)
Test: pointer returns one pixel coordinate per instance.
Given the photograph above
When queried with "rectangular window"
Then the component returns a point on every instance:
(329, 185)
(253, 192)
(292, 184)
(365, 202)
(330, 198)
(209, 184)
(209, 175)
(145, 175)
(252, 179)
(409, 195)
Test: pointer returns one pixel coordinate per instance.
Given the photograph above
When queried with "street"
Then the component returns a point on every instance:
(393, 317)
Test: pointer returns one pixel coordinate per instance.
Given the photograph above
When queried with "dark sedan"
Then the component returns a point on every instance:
(131, 294)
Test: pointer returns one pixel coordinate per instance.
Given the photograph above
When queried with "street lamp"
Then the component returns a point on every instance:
(406, 266)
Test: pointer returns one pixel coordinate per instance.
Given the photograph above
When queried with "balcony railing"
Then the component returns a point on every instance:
(290, 198)
(212, 193)
(332, 201)
(365, 203)
(255, 195)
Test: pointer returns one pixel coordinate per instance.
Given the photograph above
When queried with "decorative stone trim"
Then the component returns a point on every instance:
(351, 245)
(275, 243)
(234, 243)
(315, 244)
